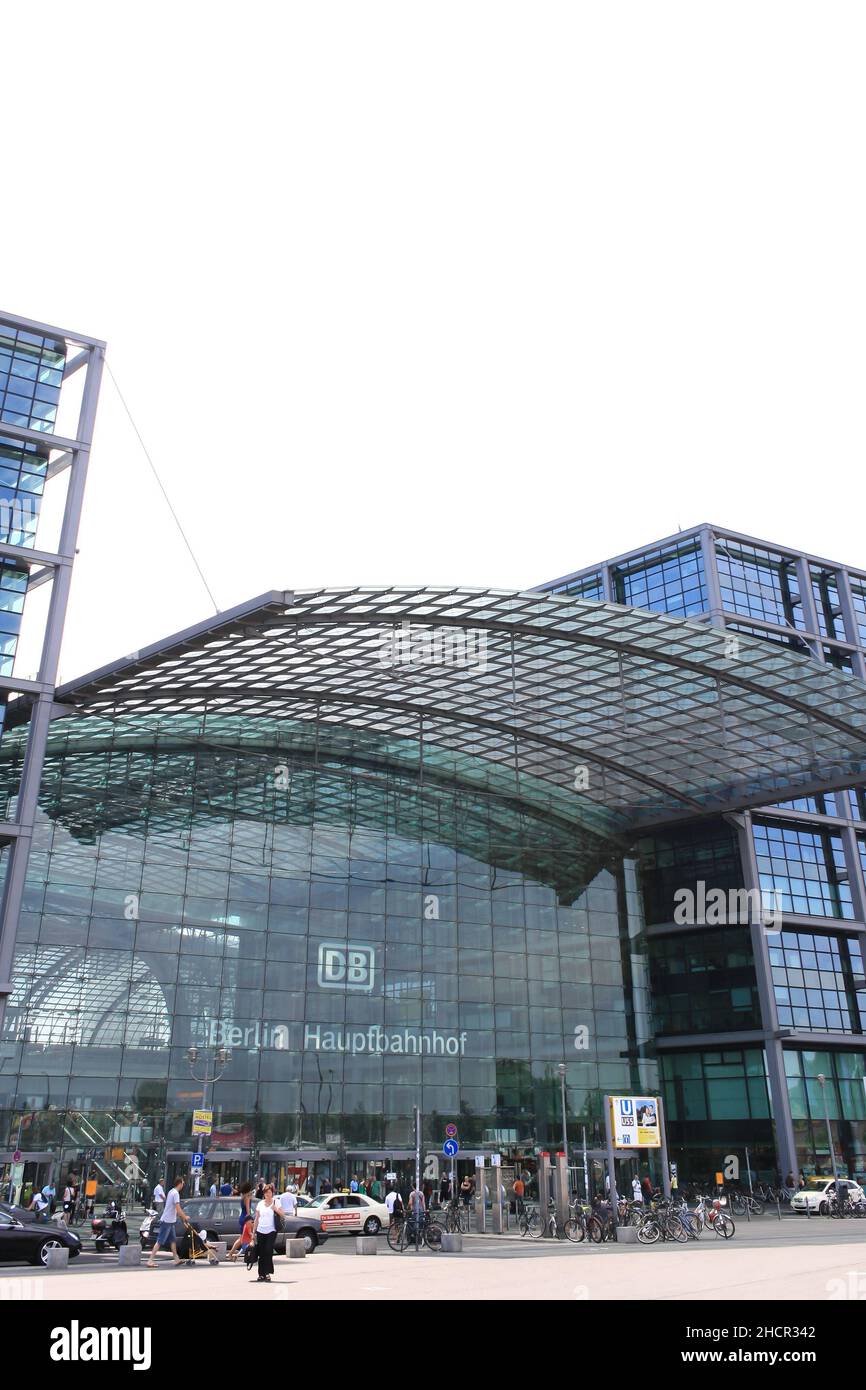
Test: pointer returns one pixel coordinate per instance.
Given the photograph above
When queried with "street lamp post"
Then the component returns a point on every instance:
(220, 1061)
(564, 1128)
(823, 1081)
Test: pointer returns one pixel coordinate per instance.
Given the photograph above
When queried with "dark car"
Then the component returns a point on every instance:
(31, 1241)
(219, 1217)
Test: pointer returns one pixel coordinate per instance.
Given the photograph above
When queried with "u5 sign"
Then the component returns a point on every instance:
(634, 1122)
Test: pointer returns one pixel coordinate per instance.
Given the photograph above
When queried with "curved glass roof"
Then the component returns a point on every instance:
(619, 717)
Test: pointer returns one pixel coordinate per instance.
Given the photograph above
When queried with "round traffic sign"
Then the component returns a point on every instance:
(449, 1148)
(451, 1131)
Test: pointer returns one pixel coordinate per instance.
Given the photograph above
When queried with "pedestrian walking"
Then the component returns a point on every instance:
(268, 1213)
(417, 1209)
(158, 1197)
(68, 1202)
(165, 1236)
(246, 1196)
(394, 1203)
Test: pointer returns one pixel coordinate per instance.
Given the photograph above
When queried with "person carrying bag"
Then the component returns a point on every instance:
(265, 1227)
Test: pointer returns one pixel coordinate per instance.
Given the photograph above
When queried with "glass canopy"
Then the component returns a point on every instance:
(610, 717)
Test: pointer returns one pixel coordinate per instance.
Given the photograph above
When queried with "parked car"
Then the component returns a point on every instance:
(31, 1241)
(815, 1196)
(219, 1216)
(350, 1212)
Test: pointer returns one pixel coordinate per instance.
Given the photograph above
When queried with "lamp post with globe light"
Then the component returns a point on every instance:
(213, 1068)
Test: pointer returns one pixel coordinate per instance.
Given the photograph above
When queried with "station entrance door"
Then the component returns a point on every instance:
(377, 1165)
(306, 1168)
(19, 1181)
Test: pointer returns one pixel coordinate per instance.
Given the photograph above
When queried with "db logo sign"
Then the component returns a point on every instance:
(343, 966)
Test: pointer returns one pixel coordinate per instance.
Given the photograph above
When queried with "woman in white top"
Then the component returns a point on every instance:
(265, 1233)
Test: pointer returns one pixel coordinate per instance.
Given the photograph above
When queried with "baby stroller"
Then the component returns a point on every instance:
(198, 1247)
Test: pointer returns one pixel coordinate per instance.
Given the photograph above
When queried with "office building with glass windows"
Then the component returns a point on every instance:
(418, 847)
(758, 1033)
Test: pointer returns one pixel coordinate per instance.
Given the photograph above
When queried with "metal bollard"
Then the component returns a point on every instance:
(778, 1208)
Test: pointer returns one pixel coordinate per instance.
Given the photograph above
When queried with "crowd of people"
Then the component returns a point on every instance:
(45, 1203)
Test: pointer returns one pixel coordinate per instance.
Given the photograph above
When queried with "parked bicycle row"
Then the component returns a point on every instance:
(660, 1219)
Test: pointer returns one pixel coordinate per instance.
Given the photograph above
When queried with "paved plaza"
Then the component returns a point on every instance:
(788, 1261)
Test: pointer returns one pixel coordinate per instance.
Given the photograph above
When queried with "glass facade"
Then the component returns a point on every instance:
(669, 580)
(717, 1103)
(814, 977)
(393, 899)
(841, 1097)
(825, 591)
(759, 583)
(363, 940)
(704, 982)
(704, 853)
(31, 374)
(803, 869)
(588, 586)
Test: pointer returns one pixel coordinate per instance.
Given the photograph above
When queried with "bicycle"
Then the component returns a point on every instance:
(741, 1201)
(530, 1223)
(601, 1226)
(710, 1211)
(576, 1225)
(429, 1234)
(457, 1218)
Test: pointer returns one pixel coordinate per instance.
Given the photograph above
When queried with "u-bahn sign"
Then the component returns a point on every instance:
(634, 1122)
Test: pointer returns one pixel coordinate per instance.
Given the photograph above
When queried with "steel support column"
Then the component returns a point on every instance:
(78, 450)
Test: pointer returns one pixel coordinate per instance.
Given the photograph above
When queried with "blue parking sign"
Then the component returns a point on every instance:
(197, 1161)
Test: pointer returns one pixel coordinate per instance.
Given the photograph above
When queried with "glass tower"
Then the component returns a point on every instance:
(746, 1020)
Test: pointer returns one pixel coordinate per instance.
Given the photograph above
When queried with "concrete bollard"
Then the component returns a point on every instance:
(57, 1259)
(366, 1245)
(452, 1244)
(296, 1249)
(128, 1256)
(219, 1248)
(627, 1235)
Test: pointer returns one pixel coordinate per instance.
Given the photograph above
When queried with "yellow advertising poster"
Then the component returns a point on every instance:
(202, 1121)
(634, 1122)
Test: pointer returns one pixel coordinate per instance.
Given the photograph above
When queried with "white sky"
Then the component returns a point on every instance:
(457, 292)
